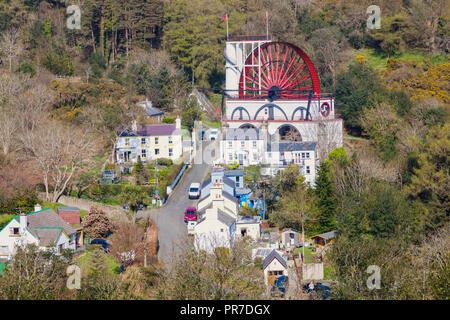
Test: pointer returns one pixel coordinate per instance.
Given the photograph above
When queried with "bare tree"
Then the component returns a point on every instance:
(59, 152)
(11, 45)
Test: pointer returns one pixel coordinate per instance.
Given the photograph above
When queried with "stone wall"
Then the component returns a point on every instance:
(114, 212)
(313, 271)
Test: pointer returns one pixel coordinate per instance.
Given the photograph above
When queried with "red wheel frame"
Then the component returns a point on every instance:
(284, 67)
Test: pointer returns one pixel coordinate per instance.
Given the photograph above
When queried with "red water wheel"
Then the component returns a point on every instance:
(278, 70)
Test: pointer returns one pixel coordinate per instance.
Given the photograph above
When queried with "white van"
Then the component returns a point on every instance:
(194, 191)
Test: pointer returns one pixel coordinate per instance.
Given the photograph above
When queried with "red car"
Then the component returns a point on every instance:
(190, 214)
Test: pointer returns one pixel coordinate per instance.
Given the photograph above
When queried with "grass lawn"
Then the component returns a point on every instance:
(329, 273)
(83, 262)
(379, 61)
(308, 251)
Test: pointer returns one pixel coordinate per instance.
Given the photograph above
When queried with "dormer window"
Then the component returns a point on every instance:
(14, 231)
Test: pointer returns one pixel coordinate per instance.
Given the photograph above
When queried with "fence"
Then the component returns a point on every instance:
(175, 182)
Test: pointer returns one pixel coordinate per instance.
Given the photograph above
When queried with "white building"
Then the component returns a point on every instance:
(248, 226)
(274, 265)
(303, 154)
(216, 229)
(245, 146)
(256, 147)
(217, 198)
(149, 142)
(274, 87)
(44, 228)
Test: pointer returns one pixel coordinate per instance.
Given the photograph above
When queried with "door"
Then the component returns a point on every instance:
(271, 276)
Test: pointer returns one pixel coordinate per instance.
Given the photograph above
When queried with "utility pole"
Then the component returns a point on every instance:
(145, 243)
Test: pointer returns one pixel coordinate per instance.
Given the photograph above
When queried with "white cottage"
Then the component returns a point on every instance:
(44, 228)
(274, 265)
(215, 230)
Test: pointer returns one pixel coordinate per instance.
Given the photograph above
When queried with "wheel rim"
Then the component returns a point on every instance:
(286, 73)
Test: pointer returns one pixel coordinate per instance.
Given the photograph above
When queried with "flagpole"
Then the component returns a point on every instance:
(227, 25)
(267, 25)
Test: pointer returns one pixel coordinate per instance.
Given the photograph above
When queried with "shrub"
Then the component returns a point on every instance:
(168, 120)
(58, 64)
(165, 162)
(27, 67)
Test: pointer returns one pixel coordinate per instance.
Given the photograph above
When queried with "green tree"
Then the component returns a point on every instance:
(430, 182)
(326, 202)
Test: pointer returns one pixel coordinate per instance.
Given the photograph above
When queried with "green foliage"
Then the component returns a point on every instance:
(191, 113)
(140, 173)
(169, 120)
(326, 202)
(27, 67)
(354, 90)
(98, 64)
(58, 63)
(429, 183)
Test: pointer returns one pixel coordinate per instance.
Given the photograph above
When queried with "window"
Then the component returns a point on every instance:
(230, 157)
(270, 155)
(230, 144)
(303, 155)
(255, 156)
(156, 140)
(308, 171)
(254, 144)
(127, 141)
(14, 231)
(156, 151)
(144, 153)
(242, 144)
(170, 139)
(307, 155)
(221, 230)
(170, 152)
(143, 141)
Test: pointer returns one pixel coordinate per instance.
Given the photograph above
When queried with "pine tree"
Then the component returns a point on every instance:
(326, 204)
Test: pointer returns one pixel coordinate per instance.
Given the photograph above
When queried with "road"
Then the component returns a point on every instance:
(169, 219)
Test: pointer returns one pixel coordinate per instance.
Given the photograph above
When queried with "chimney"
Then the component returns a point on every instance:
(23, 221)
(37, 207)
(178, 123)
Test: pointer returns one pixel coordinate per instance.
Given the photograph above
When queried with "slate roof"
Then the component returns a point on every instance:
(327, 235)
(149, 130)
(153, 112)
(225, 218)
(68, 209)
(249, 219)
(221, 216)
(43, 224)
(233, 173)
(242, 134)
(48, 236)
(274, 255)
(291, 146)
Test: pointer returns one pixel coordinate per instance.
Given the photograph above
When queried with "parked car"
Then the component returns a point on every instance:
(213, 133)
(190, 214)
(194, 191)
(318, 289)
(279, 286)
(191, 226)
(105, 244)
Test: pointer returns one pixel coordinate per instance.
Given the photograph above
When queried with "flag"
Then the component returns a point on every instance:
(266, 17)
(225, 18)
